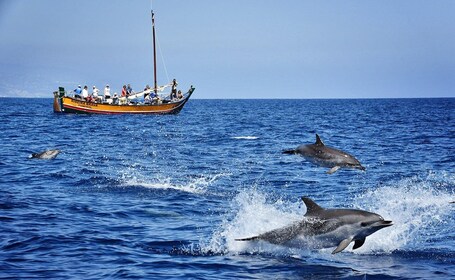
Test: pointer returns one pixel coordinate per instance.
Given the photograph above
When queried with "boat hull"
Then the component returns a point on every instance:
(65, 104)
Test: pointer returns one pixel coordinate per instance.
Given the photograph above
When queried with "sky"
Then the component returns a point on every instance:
(232, 49)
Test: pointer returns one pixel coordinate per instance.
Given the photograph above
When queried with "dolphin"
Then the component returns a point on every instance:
(326, 156)
(325, 228)
(49, 154)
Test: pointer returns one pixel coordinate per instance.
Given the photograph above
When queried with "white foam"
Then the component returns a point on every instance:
(245, 137)
(418, 207)
(252, 215)
(415, 206)
(194, 185)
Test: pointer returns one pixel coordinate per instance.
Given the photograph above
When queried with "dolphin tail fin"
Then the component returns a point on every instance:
(289, 152)
(248, 238)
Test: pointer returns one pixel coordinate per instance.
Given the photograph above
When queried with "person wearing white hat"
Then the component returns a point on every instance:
(107, 93)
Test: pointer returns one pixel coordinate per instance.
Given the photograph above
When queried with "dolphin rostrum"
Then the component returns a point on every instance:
(324, 228)
(326, 156)
(49, 154)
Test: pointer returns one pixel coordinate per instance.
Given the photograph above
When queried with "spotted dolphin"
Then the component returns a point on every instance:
(325, 228)
(49, 154)
(326, 156)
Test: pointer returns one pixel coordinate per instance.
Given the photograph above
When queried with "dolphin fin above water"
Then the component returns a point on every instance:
(343, 244)
(358, 243)
(311, 207)
(333, 169)
(319, 141)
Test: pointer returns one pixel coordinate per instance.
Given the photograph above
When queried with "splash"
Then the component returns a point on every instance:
(419, 208)
(253, 215)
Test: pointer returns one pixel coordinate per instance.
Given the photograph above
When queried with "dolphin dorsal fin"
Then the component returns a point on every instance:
(311, 206)
(319, 141)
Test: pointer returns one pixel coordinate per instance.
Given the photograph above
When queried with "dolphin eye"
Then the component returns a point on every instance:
(366, 224)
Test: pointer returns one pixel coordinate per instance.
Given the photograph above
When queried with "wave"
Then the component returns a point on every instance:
(245, 137)
(419, 208)
(196, 185)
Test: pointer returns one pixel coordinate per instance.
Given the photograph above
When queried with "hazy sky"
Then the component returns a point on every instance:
(232, 49)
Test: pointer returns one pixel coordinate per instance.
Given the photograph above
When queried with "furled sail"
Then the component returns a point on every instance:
(148, 91)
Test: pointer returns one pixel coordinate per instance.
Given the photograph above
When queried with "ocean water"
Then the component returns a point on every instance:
(165, 196)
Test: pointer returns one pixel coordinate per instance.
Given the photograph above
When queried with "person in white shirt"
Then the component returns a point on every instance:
(85, 93)
(95, 94)
(107, 92)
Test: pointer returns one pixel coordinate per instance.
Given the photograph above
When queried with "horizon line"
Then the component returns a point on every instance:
(285, 98)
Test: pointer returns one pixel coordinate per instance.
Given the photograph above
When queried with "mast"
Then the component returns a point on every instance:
(155, 87)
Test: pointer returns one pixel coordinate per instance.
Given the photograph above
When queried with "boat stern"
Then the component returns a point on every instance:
(58, 103)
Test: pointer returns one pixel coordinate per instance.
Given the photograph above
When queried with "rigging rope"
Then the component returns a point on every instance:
(162, 59)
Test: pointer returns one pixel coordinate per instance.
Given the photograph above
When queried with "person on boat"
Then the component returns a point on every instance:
(129, 90)
(107, 93)
(146, 91)
(95, 95)
(174, 89)
(179, 94)
(124, 91)
(154, 96)
(115, 99)
(78, 91)
(85, 93)
(147, 99)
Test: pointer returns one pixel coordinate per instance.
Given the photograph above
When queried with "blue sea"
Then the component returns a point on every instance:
(164, 197)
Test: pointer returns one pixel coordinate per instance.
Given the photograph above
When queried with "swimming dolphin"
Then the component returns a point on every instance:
(323, 155)
(50, 154)
(324, 228)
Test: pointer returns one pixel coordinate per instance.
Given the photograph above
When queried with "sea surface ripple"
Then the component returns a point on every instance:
(165, 196)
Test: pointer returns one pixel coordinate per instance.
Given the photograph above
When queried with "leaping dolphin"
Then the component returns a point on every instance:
(49, 154)
(326, 156)
(324, 228)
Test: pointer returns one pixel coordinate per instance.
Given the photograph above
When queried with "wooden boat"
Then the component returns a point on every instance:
(67, 104)
(64, 103)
